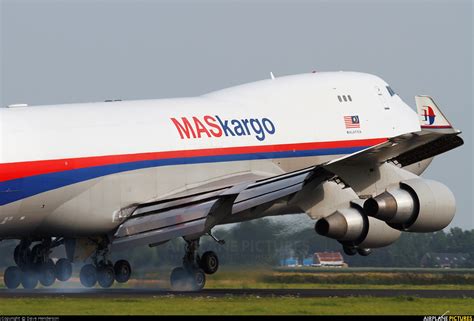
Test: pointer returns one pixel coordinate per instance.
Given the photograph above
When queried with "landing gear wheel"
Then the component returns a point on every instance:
(88, 275)
(209, 262)
(105, 276)
(63, 269)
(29, 279)
(36, 254)
(122, 271)
(364, 252)
(351, 251)
(178, 279)
(12, 277)
(22, 255)
(16, 254)
(199, 280)
(47, 273)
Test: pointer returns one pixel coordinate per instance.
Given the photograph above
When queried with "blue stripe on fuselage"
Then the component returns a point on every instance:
(18, 189)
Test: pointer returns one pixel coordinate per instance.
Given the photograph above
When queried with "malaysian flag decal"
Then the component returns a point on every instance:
(352, 121)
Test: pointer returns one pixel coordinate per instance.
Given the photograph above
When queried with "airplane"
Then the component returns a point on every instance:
(94, 178)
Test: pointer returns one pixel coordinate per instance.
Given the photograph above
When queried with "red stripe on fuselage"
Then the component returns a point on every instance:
(436, 127)
(9, 171)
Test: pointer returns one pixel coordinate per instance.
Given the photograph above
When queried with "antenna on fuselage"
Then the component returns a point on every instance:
(271, 75)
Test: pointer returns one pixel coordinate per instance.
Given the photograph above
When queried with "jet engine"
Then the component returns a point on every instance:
(353, 228)
(417, 205)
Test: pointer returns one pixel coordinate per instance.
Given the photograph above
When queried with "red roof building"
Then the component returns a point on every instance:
(328, 259)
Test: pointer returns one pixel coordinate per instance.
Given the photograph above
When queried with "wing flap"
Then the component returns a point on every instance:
(161, 235)
(156, 221)
(159, 221)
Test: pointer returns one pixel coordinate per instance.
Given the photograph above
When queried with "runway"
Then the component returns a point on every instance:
(217, 293)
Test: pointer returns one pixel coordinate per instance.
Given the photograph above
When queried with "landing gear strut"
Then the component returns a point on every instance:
(192, 275)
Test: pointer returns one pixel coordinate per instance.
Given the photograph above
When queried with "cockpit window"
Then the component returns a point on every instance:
(390, 91)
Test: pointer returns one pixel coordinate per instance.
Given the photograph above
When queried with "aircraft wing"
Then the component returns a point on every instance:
(157, 222)
(405, 149)
(194, 215)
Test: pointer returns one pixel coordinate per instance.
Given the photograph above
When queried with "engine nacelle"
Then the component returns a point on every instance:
(351, 227)
(418, 205)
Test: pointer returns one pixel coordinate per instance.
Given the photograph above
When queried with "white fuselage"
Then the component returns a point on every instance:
(72, 169)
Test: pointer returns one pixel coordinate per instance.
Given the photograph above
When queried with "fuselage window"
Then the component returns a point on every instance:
(344, 98)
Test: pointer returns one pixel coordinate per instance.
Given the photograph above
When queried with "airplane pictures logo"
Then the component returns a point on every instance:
(428, 115)
(352, 122)
(214, 126)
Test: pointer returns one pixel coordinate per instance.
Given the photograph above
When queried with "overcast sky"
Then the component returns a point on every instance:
(80, 51)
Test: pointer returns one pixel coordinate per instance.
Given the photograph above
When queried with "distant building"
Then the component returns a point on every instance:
(324, 259)
(291, 262)
(328, 259)
(308, 261)
(444, 260)
(319, 259)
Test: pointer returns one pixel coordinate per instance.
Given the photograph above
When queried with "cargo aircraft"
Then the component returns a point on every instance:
(100, 177)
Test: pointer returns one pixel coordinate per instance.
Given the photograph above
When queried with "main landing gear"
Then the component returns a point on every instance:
(102, 271)
(105, 273)
(192, 275)
(33, 266)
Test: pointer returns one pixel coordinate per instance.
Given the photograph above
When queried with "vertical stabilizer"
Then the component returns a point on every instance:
(430, 115)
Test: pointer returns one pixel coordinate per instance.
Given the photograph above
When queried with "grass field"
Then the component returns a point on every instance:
(236, 306)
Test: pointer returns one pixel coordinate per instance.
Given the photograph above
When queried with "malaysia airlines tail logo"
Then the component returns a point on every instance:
(428, 115)
(214, 126)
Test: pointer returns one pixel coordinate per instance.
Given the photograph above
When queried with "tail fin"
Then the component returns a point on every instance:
(431, 116)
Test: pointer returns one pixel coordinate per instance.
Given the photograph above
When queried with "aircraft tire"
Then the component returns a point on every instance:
(35, 254)
(47, 273)
(178, 279)
(88, 275)
(12, 277)
(29, 279)
(364, 252)
(122, 271)
(209, 262)
(22, 255)
(198, 279)
(351, 251)
(105, 276)
(16, 254)
(63, 269)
